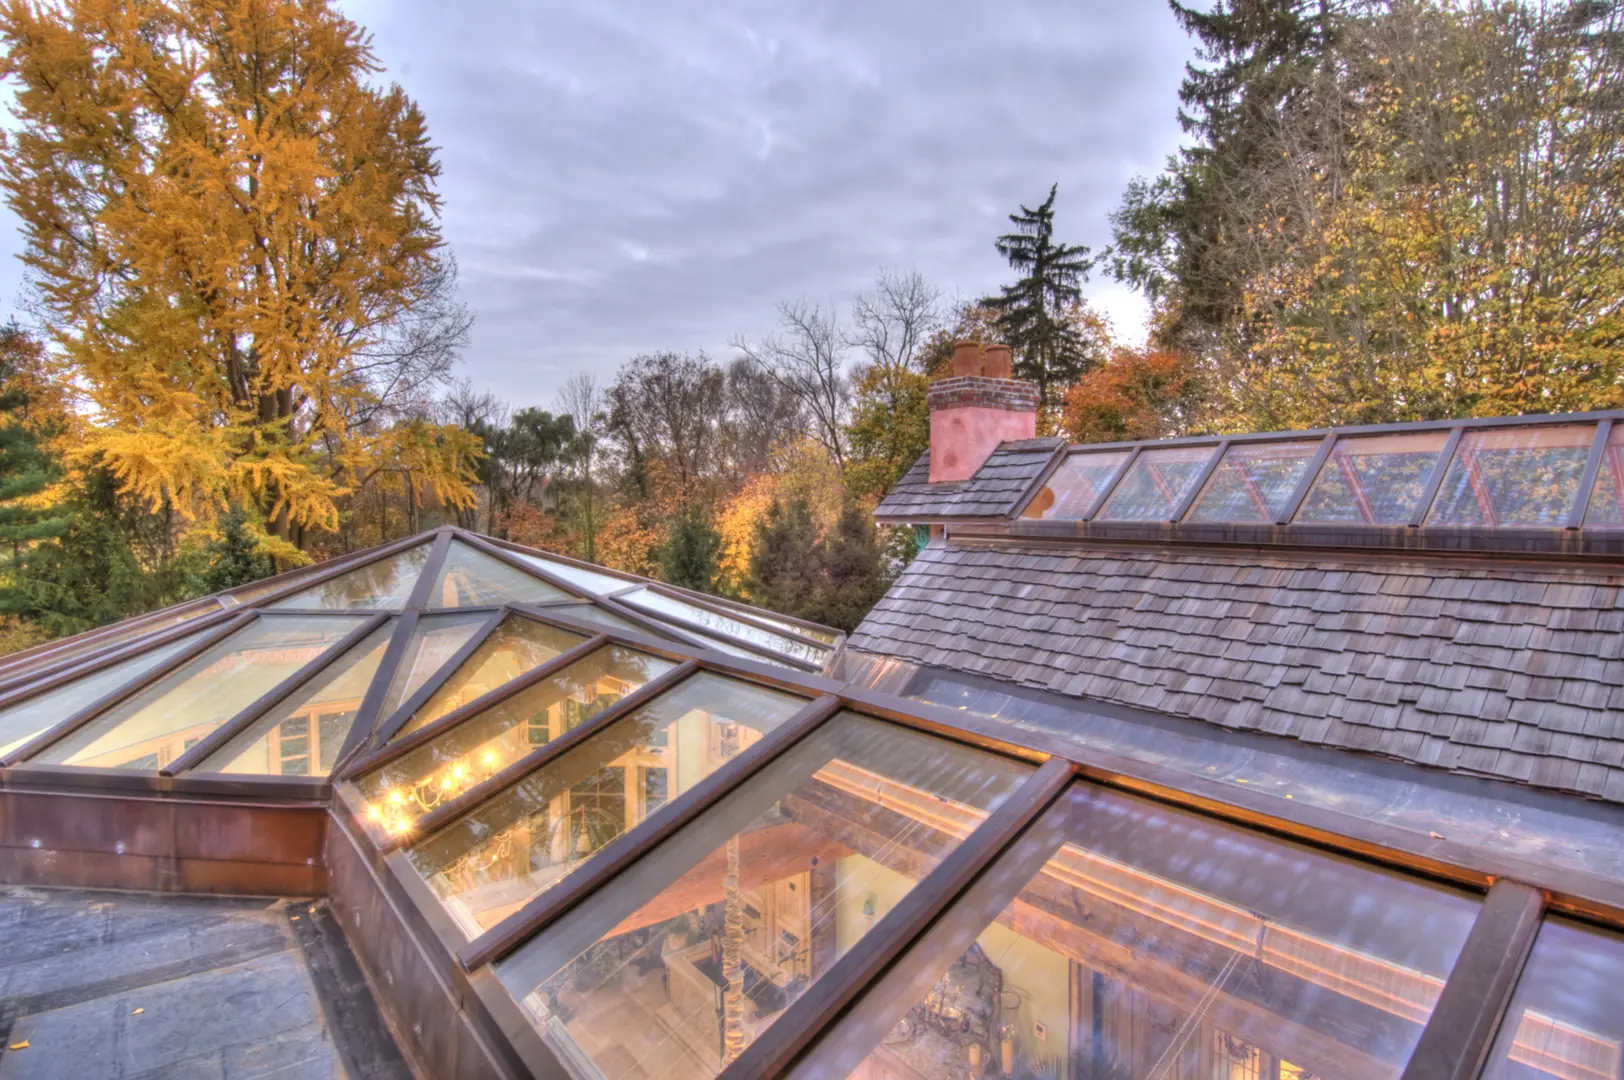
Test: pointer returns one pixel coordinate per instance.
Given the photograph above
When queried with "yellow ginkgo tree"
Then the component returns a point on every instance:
(228, 216)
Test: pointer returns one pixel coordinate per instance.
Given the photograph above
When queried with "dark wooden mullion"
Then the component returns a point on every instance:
(1587, 481)
(448, 812)
(843, 1045)
(639, 637)
(1293, 504)
(749, 647)
(1111, 485)
(337, 567)
(361, 731)
(55, 656)
(633, 844)
(51, 736)
(507, 558)
(393, 748)
(81, 667)
(419, 697)
(423, 587)
(1040, 482)
(1436, 480)
(229, 730)
(1456, 1042)
(797, 1026)
(737, 616)
(1200, 484)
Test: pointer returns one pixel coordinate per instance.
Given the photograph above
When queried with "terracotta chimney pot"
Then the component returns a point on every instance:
(1000, 362)
(972, 413)
(967, 358)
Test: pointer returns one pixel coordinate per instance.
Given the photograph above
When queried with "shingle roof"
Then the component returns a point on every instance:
(993, 491)
(1515, 673)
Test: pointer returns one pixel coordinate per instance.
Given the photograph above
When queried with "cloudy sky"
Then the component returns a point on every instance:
(628, 175)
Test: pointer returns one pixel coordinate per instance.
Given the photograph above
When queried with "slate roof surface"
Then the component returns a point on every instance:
(1510, 672)
(993, 491)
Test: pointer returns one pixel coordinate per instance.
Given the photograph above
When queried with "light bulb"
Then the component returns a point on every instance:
(458, 771)
(446, 783)
(374, 814)
(396, 797)
(490, 758)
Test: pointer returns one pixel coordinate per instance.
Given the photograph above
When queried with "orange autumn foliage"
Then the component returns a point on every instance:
(1137, 394)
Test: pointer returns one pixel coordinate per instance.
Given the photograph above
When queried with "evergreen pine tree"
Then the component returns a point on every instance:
(691, 558)
(1033, 313)
(782, 565)
(233, 557)
(849, 571)
(26, 467)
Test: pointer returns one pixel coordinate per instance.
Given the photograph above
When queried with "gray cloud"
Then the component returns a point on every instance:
(627, 176)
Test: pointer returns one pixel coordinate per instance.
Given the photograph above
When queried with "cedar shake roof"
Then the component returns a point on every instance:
(995, 490)
(1508, 671)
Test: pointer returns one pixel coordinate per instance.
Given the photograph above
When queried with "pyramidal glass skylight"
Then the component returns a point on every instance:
(297, 675)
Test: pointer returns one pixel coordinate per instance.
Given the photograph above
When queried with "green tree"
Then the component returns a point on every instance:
(1037, 314)
(234, 557)
(691, 555)
(781, 562)
(27, 467)
(1177, 234)
(850, 571)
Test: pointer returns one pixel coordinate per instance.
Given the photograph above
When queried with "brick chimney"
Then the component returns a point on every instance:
(975, 409)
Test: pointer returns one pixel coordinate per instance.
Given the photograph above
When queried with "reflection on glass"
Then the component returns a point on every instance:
(695, 949)
(471, 578)
(1253, 482)
(385, 584)
(415, 783)
(579, 576)
(303, 735)
(526, 839)
(597, 616)
(166, 719)
(1156, 484)
(107, 638)
(434, 641)
(27, 719)
(1124, 939)
(1566, 1018)
(516, 646)
(1514, 476)
(656, 604)
(1075, 486)
(1606, 505)
(1373, 480)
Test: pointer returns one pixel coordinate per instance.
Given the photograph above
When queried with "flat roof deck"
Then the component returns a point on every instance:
(98, 985)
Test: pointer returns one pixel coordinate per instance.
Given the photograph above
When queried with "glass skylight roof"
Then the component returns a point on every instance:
(621, 851)
(1530, 473)
(461, 633)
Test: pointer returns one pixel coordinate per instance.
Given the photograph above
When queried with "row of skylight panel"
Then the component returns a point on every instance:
(1111, 917)
(1497, 476)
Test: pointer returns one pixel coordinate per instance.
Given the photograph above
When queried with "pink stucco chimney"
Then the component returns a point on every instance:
(975, 409)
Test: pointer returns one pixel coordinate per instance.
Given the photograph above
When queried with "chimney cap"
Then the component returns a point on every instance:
(1000, 362)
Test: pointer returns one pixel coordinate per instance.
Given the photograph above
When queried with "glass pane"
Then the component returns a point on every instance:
(1124, 939)
(1075, 486)
(471, 578)
(579, 576)
(1606, 505)
(1567, 1017)
(1514, 476)
(1373, 480)
(1253, 482)
(415, 783)
(1156, 484)
(166, 719)
(518, 844)
(54, 653)
(597, 616)
(696, 948)
(516, 646)
(657, 604)
(816, 633)
(28, 718)
(303, 735)
(385, 584)
(434, 641)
